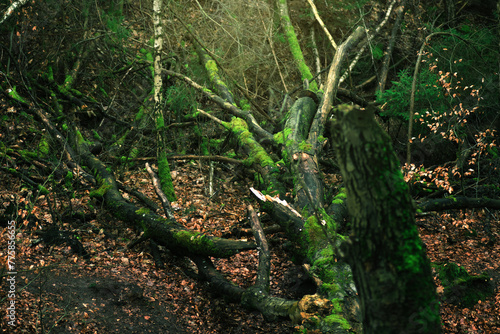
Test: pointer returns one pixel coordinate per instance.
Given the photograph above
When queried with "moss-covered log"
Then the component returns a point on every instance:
(163, 231)
(451, 203)
(294, 43)
(391, 270)
(213, 73)
(257, 155)
(314, 247)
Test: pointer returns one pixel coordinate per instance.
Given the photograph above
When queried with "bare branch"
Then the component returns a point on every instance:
(9, 11)
(320, 21)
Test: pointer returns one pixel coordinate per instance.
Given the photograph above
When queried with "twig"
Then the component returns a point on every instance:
(167, 208)
(320, 21)
(375, 32)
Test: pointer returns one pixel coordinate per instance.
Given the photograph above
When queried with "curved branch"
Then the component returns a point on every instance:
(332, 83)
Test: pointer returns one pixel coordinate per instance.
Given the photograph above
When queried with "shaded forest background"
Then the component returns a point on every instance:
(89, 66)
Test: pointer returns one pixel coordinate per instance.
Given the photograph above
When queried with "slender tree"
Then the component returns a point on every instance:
(158, 112)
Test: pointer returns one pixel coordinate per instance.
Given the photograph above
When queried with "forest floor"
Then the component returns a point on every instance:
(121, 290)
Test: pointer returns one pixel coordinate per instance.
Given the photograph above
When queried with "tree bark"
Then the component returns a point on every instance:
(390, 47)
(331, 87)
(286, 23)
(158, 113)
(303, 162)
(391, 270)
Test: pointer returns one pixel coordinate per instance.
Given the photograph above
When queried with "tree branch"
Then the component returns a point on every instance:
(459, 203)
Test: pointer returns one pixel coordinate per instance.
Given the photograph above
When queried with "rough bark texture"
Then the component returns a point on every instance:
(158, 114)
(391, 270)
(304, 163)
(332, 85)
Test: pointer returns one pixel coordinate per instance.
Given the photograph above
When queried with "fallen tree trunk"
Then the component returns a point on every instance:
(166, 232)
(199, 247)
(257, 296)
(455, 203)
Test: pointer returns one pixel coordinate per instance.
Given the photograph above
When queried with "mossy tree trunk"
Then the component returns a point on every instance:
(293, 43)
(197, 246)
(158, 113)
(391, 270)
(315, 230)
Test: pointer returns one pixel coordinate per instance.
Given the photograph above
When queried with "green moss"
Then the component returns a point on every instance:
(462, 288)
(15, 95)
(304, 146)
(68, 81)
(96, 135)
(329, 289)
(160, 123)
(198, 243)
(165, 177)
(81, 140)
(337, 319)
(323, 268)
(28, 154)
(257, 153)
(68, 180)
(143, 211)
(49, 74)
(296, 51)
(101, 191)
(140, 114)
(44, 147)
(42, 190)
(411, 254)
(211, 67)
(204, 146)
(279, 138)
(340, 197)
(245, 105)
